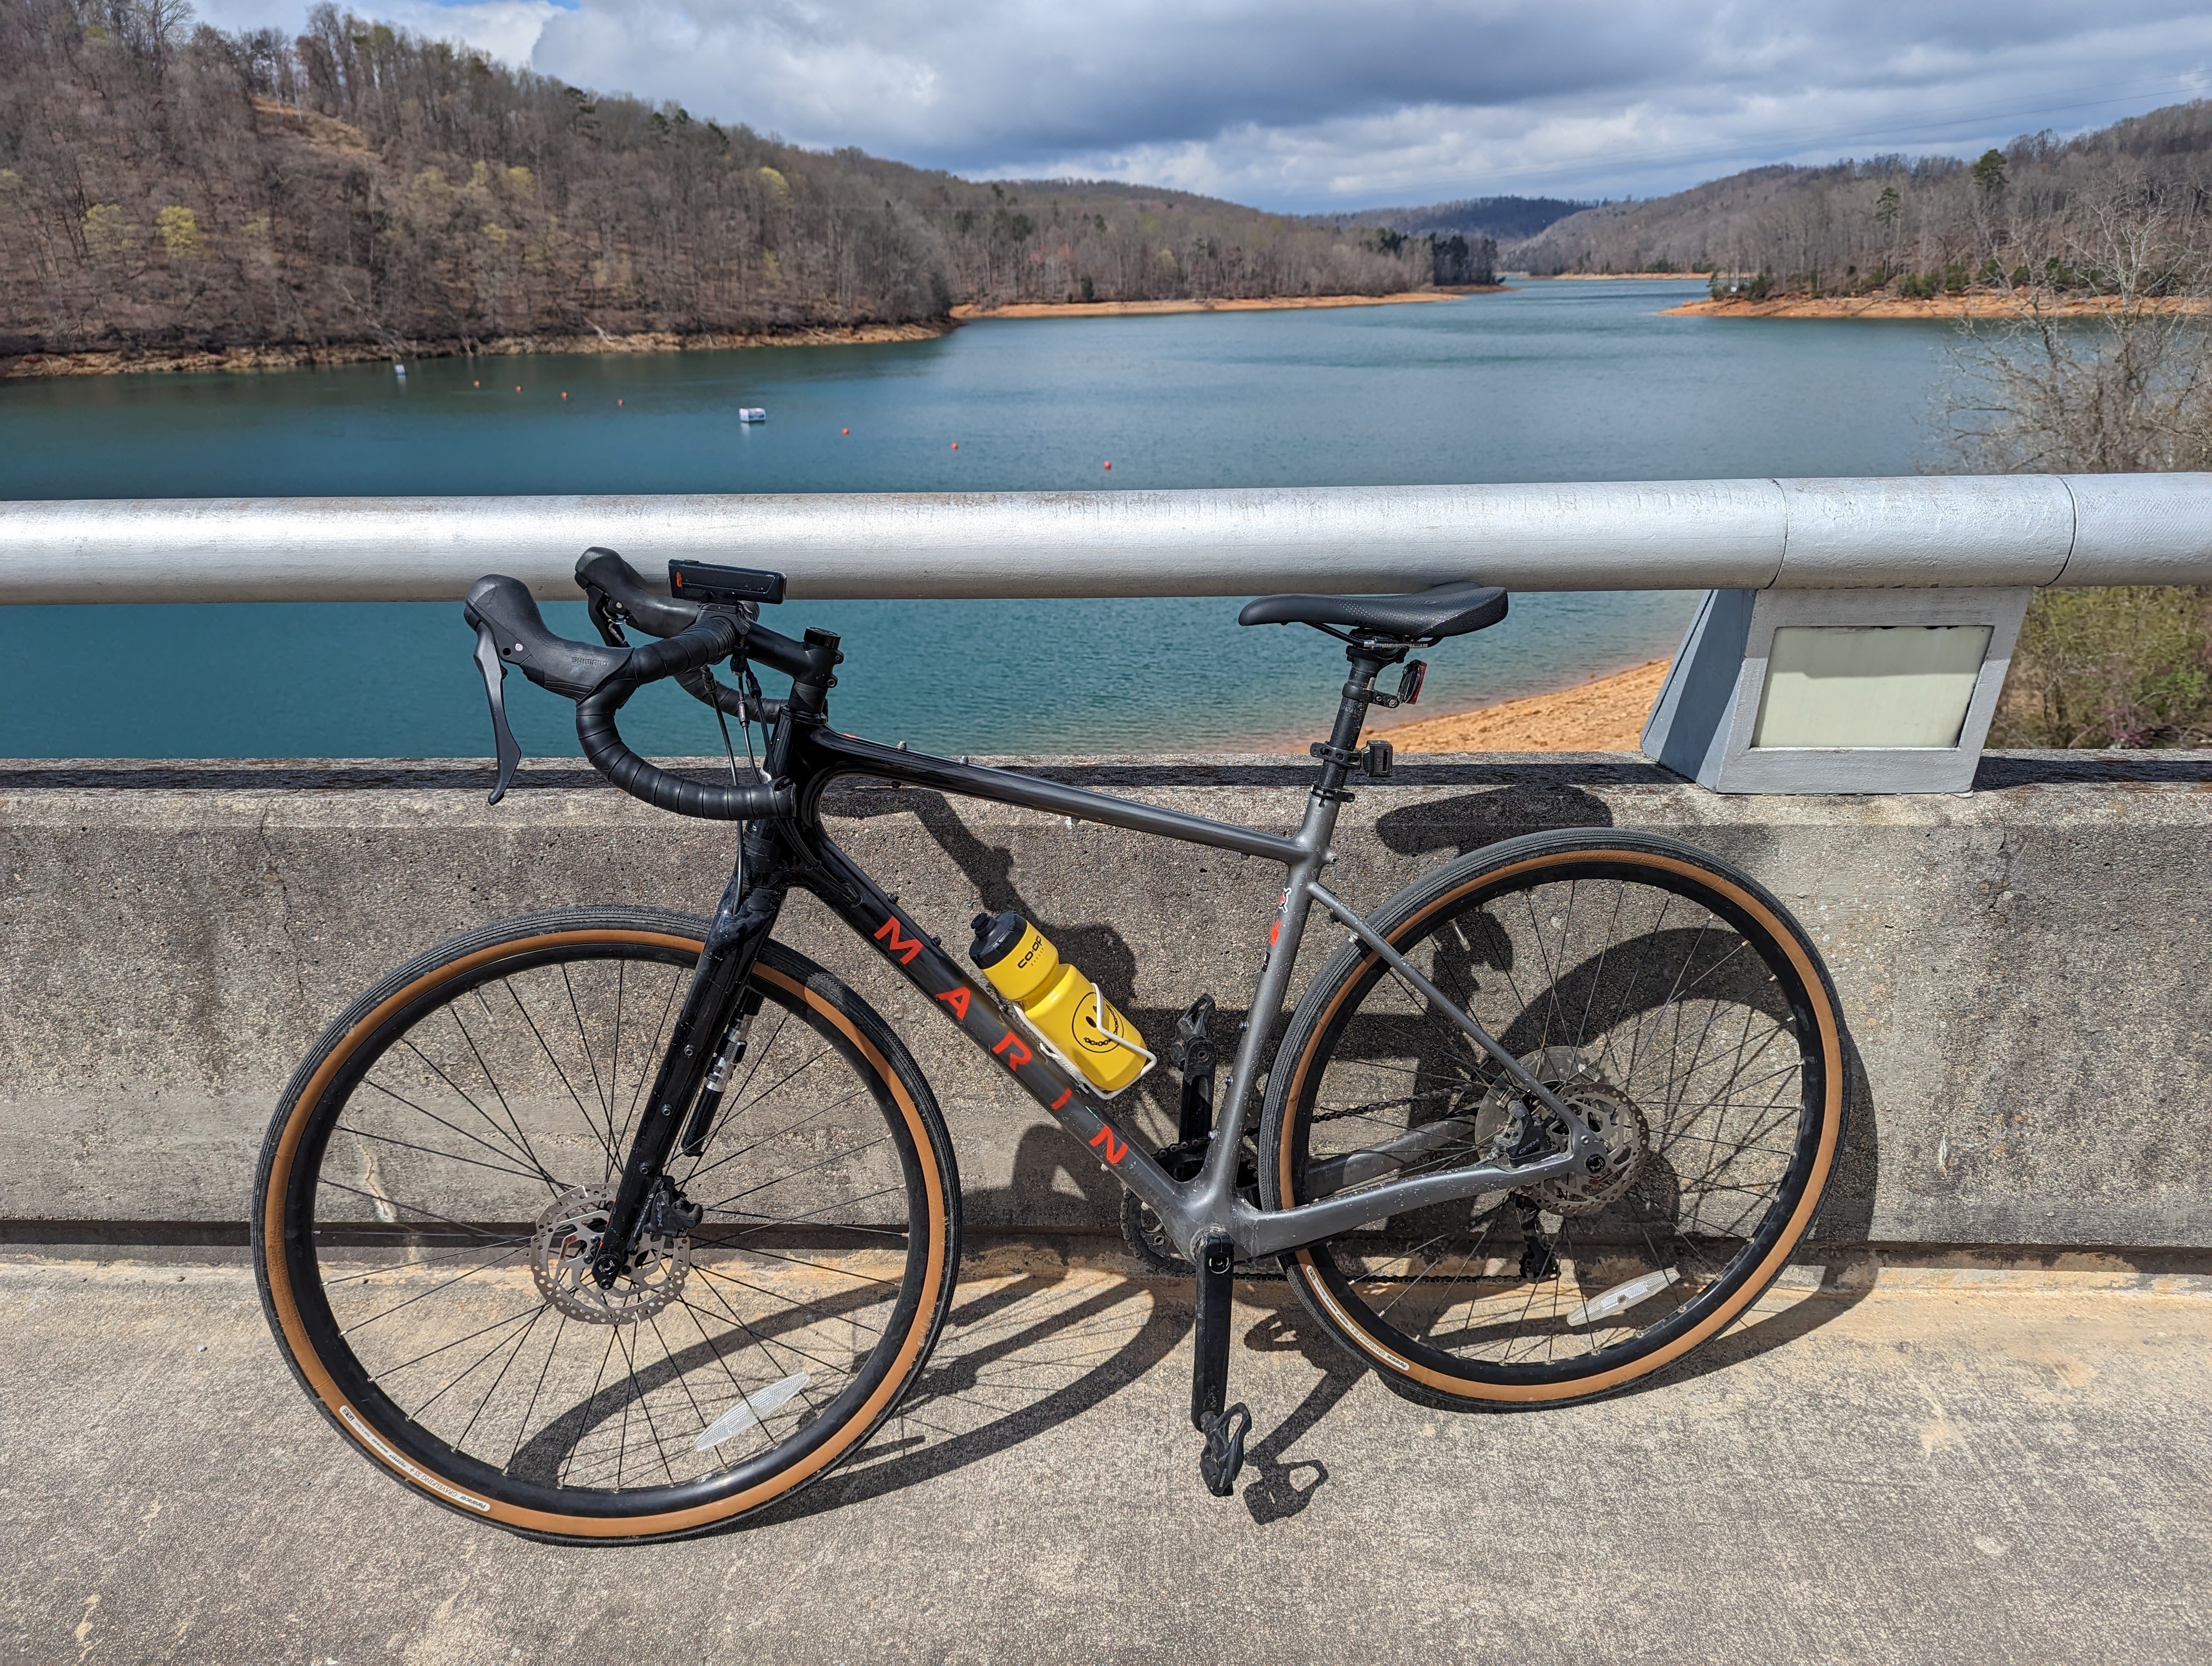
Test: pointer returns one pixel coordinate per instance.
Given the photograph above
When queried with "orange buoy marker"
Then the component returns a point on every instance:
(617, 401)
(844, 430)
(476, 384)
(956, 445)
(518, 387)
(564, 394)
(1109, 466)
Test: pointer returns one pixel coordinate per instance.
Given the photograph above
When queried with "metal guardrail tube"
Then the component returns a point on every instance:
(1636, 535)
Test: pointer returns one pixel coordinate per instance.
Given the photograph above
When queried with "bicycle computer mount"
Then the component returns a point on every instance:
(723, 586)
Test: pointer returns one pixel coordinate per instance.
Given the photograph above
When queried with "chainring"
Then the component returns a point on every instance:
(1147, 1234)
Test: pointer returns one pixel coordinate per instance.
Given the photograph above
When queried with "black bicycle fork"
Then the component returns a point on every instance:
(648, 1203)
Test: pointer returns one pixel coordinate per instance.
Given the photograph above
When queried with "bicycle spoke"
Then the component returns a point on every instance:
(482, 1339)
(1642, 994)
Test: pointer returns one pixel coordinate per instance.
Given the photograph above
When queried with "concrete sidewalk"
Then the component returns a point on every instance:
(1931, 1465)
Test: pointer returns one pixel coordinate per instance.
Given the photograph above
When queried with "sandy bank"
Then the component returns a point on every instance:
(1278, 304)
(1622, 277)
(1605, 715)
(130, 361)
(1943, 307)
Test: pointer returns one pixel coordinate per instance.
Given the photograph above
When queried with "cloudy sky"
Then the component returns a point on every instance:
(1319, 104)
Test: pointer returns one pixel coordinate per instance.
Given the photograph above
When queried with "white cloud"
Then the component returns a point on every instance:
(1316, 103)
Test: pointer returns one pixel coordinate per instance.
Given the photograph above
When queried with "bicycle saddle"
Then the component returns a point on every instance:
(1425, 615)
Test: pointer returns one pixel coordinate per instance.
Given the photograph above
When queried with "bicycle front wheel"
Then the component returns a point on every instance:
(1664, 995)
(434, 1176)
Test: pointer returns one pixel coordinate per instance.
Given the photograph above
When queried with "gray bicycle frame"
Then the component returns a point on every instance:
(1207, 1205)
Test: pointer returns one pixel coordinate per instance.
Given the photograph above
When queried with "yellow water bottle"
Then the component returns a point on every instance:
(1076, 1020)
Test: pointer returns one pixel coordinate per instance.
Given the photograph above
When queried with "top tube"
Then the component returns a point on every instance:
(853, 756)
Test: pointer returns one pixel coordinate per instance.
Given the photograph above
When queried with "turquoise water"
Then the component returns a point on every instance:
(1554, 381)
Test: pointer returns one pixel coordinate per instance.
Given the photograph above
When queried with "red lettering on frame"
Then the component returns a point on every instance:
(957, 1001)
(1066, 1094)
(1015, 1054)
(901, 948)
(1116, 1150)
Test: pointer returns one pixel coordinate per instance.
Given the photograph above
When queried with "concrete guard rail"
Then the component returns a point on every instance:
(1948, 531)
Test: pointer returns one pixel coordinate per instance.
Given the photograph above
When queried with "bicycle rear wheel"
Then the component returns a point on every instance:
(1665, 995)
(434, 1175)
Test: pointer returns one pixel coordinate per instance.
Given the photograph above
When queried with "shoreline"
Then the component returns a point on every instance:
(1604, 714)
(1943, 308)
(125, 362)
(967, 312)
(1623, 277)
(155, 361)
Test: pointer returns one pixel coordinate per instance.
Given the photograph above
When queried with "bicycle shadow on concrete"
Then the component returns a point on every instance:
(1102, 1333)
(1278, 1487)
(979, 1396)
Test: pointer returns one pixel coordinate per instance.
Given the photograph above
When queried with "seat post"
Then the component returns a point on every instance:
(1342, 746)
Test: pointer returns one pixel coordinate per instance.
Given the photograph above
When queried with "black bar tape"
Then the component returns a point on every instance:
(698, 646)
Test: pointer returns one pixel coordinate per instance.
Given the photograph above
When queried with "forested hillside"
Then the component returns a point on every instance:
(168, 186)
(1919, 224)
(1505, 219)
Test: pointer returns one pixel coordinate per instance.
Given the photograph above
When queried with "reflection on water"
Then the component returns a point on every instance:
(1550, 382)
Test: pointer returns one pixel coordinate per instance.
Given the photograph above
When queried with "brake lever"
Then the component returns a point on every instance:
(502, 738)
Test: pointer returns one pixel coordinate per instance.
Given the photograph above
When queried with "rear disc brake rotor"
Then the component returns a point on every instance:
(1611, 1114)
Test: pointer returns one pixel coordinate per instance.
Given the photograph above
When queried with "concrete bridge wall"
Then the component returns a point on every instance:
(2025, 971)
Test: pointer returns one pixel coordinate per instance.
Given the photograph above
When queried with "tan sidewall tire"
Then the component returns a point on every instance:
(1487, 868)
(906, 1088)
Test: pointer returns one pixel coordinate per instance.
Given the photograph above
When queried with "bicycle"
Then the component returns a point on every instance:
(612, 1223)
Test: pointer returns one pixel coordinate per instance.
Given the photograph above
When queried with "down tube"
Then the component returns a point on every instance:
(863, 907)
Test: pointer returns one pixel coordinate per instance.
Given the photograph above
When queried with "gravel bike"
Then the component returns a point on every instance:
(611, 1222)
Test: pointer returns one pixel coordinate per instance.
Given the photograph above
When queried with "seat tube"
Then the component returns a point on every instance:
(1218, 1180)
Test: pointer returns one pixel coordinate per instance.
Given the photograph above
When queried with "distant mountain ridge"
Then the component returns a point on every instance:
(1506, 219)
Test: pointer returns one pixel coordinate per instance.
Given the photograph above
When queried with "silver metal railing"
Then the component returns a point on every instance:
(1639, 535)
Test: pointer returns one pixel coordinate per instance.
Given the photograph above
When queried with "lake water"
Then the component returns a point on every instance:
(1570, 381)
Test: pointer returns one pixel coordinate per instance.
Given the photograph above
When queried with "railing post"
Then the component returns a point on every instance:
(1837, 691)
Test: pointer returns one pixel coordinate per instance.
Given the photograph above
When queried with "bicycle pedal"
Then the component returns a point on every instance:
(1223, 1455)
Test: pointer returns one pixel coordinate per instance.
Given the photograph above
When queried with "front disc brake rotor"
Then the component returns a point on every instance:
(566, 1239)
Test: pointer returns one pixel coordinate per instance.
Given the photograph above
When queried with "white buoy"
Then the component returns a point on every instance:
(751, 414)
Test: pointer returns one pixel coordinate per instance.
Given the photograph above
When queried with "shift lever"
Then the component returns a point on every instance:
(502, 737)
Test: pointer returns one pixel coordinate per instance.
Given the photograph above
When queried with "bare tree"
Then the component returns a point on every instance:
(171, 188)
(2128, 386)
